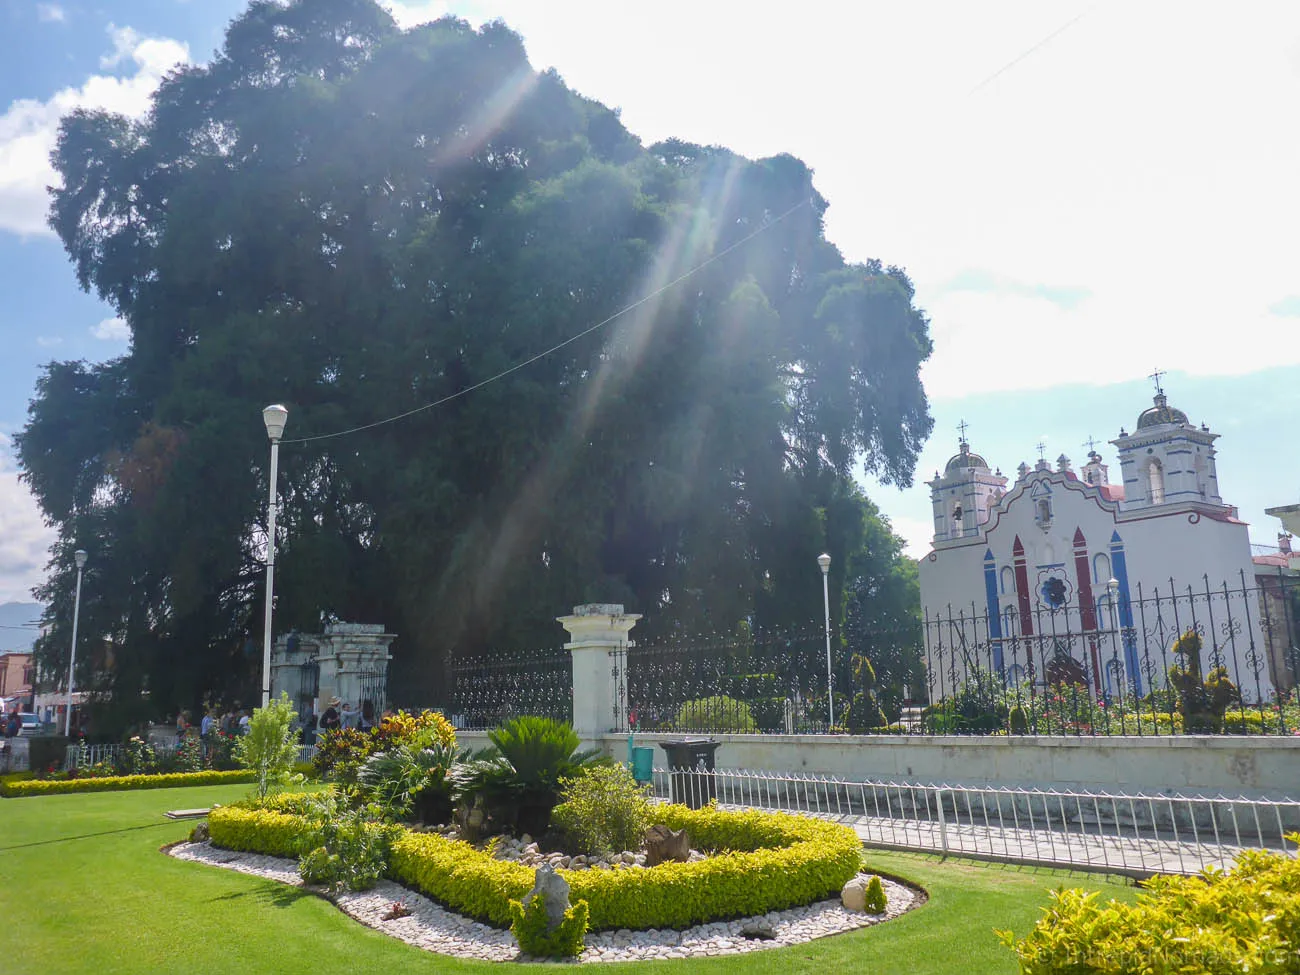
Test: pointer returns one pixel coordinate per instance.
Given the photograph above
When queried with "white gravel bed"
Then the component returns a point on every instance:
(433, 928)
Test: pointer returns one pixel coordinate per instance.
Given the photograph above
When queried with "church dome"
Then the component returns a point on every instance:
(1160, 414)
(964, 459)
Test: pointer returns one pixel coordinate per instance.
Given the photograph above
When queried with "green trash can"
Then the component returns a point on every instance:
(643, 761)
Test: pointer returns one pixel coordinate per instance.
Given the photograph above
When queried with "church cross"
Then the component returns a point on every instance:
(1091, 444)
(962, 427)
(1155, 377)
(1042, 450)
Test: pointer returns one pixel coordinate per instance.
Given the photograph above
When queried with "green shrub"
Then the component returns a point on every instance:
(528, 924)
(258, 830)
(168, 780)
(1246, 920)
(270, 747)
(875, 897)
(518, 778)
(343, 847)
(1249, 723)
(603, 810)
(720, 713)
(404, 778)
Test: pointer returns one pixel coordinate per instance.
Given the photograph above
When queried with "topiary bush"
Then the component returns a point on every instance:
(874, 902)
(528, 923)
(603, 810)
(720, 713)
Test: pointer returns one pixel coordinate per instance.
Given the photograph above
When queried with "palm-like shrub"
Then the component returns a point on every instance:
(518, 778)
(407, 781)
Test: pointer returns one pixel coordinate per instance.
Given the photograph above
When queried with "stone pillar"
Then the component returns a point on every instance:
(597, 645)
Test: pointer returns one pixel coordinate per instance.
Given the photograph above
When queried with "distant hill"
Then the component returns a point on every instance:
(17, 631)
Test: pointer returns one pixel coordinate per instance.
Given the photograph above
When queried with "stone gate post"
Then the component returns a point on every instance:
(597, 646)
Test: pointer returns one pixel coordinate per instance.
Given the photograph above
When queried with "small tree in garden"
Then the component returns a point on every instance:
(271, 745)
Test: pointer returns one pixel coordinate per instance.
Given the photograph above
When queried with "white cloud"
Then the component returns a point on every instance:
(112, 330)
(51, 13)
(29, 127)
(24, 537)
(48, 341)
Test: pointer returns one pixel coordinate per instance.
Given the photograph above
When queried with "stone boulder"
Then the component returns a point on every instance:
(854, 894)
(663, 844)
(554, 892)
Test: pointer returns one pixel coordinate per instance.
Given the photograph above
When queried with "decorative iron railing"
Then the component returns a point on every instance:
(487, 690)
(1218, 659)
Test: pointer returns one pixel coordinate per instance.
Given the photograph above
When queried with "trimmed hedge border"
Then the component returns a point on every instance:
(118, 783)
(763, 862)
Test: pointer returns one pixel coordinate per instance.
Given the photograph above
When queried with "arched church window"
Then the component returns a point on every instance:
(1043, 512)
(1156, 482)
(1008, 580)
(957, 518)
(1101, 568)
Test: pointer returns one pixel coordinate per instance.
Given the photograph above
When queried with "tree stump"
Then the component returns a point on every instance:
(663, 844)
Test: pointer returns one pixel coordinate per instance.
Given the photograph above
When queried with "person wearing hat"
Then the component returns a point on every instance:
(330, 720)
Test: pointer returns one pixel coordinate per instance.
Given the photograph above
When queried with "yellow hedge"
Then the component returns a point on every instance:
(762, 862)
(115, 783)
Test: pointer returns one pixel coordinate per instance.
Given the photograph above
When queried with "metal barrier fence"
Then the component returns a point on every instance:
(1132, 834)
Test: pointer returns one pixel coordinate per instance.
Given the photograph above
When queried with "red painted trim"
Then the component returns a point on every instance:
(1087, 610)
(1022, 593)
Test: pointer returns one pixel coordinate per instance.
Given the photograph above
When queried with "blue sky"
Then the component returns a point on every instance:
(1081, 192)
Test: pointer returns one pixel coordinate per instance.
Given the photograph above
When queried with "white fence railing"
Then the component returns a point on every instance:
(1111, 832)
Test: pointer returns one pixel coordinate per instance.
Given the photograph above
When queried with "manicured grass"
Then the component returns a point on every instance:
(85, 889)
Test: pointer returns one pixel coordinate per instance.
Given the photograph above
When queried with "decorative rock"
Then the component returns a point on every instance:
(663, 844)
(854, 894)
(554, 891)
(759, 929)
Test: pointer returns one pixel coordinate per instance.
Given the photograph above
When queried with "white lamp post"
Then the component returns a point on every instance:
(824, 561)
(275, 417)
(80, 556)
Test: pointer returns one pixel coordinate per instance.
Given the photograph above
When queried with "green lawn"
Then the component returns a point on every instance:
(84, 888)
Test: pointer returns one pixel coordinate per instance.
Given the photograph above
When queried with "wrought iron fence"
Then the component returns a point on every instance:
(1219, 659)
(489, 689)
(750, 682)
(1126, 833)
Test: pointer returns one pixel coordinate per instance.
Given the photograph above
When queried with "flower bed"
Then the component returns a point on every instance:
(115, 783)
(760, 862)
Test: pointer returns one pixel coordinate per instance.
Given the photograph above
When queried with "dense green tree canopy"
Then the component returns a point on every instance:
(358, 221)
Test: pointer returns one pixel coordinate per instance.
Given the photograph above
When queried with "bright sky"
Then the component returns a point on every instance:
(1081, 192)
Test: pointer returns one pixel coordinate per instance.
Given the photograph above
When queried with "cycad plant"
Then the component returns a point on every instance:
(409, 781)
(518, 777)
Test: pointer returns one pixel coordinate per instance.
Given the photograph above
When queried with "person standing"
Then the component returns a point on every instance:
(349, 715)
(330, 720)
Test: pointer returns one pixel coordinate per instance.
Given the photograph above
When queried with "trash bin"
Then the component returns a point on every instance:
(691, 765)
(643, 761)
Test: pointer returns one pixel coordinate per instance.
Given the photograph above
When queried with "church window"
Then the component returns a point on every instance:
(1156, 482)
(1008, 580)
(957, 519)
(1101, 568)
(1043, 512)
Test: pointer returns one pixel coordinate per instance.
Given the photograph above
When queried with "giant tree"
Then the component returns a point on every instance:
(361, 222)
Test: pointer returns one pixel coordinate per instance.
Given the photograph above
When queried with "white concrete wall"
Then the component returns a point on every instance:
(1189, 765)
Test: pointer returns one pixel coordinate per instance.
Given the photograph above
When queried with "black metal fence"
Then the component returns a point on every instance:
(487, 690)
(1214, 659)
(1222, 660)
(759, 682)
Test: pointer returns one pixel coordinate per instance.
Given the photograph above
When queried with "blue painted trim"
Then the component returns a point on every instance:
(1119, 566)
(995, 618)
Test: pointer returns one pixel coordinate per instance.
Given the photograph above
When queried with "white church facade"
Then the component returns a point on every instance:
(1062, 576)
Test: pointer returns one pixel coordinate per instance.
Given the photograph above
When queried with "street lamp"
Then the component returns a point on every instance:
(824, 561)
(80, 556)
(275, 417)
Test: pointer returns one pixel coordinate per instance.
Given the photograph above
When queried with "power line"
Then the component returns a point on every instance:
(1014, 61)
(555, 348)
